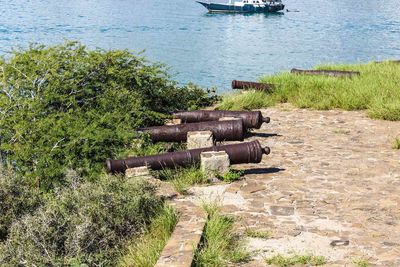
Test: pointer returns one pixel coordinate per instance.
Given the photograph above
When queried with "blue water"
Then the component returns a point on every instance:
(212, 49)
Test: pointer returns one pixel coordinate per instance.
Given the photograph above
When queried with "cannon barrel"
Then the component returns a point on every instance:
(230, 130)
(333, 73)
(251, 119)
(249, 152)
(252, 85)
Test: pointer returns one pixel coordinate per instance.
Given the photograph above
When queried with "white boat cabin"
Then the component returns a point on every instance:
(255, 2)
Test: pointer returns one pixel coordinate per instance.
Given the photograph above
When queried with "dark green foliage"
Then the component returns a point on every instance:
(143, 146)
(85, 223)
(17, 198)
(69, 107)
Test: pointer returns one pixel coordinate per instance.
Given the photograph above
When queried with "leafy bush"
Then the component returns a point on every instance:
(87, 223)
(69, 107)
(16, 199)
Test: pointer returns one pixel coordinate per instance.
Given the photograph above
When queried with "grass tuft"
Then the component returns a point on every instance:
(145, 250)
(220, 245)
(291, 260)
(183, 178)
(396, 143)
(231, 176)
(375, 90)
(361, 263)
(257, 233)
(247, 100)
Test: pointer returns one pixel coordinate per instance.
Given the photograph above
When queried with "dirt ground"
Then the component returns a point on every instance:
(330, 187)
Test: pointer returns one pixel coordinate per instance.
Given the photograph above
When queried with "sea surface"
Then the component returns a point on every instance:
(212, 49)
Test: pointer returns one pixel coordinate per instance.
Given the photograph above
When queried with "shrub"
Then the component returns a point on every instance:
(69, 107)
(16, 199)
(86, 223)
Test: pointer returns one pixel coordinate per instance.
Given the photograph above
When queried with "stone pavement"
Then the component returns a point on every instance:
(331, 187)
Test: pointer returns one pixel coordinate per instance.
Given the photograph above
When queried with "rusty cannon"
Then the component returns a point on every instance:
(249, 152)
(230, 130)
(252, 85)
(251, 119)
(393, 61)
(332, 73)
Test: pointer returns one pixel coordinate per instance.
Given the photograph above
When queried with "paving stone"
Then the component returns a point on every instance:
(282, 210)
(338, 179)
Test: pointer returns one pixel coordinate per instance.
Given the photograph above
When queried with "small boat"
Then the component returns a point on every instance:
(245, 6)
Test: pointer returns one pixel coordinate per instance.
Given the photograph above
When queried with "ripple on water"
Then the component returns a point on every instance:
(212, 49)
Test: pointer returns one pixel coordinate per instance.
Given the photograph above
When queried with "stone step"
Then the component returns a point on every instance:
(180, 249)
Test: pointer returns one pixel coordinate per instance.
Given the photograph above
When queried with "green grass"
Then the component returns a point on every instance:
(247, 100)
(396, 143)
(220, 246)
(145, 250)
(183, 178)
(231, 176)
(257, 233)
(280, 260)
(375, 90)
(361, 263)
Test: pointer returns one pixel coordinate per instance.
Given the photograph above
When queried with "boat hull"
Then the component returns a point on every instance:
(226, 8)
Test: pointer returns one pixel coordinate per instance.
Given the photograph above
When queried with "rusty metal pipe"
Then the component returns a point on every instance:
(394, 61)
(251, 119)
(252, 85)
(231, 130)
(249, 152)
(333, 73)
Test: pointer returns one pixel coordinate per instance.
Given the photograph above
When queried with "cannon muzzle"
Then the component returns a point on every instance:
(249, 152)
(251, 119)
(231, 130)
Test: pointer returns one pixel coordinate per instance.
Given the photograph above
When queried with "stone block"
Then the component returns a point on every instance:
(199, 139)
(173, 122)
(214, 162)
(181, 247)
(138, 171)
